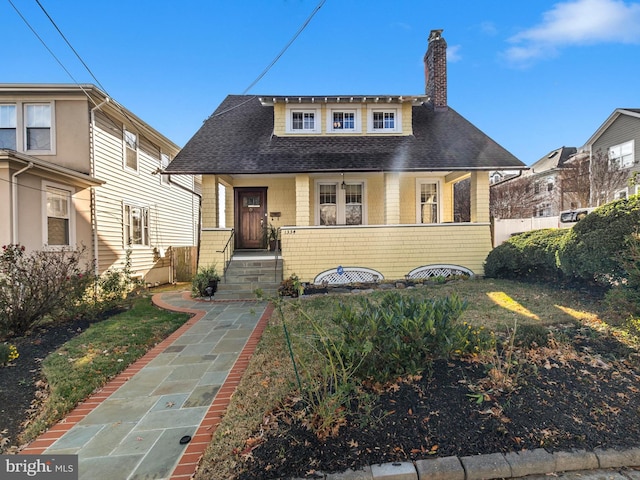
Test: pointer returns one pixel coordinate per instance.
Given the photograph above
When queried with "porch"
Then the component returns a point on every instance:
(388, 251)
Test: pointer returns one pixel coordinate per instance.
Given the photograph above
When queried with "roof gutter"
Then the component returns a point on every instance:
(14, 202)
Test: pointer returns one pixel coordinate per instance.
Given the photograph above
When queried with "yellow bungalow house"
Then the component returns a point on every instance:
(359, 186)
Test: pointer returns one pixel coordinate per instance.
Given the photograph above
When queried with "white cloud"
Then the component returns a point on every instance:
(453, 53)
(576, 23)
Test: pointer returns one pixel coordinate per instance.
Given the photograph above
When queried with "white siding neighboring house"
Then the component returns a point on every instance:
(77, 168)
(619, 138)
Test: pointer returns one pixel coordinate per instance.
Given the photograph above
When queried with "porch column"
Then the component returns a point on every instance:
(480, 197)
(391, 198)
(209, 201)
(303, 204)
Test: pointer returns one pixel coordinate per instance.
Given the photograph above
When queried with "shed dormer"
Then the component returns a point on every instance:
(342, 115)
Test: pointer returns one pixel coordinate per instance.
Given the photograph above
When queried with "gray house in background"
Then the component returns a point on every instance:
(618, 138)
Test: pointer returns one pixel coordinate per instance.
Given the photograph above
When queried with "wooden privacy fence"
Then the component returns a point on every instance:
(185, 263)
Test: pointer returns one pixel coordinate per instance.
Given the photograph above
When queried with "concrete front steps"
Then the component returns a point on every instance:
(247, 272)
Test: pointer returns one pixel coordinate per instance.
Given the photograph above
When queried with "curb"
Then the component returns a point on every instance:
(495, 465)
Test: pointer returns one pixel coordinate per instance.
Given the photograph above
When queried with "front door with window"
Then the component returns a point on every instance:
(250, 217)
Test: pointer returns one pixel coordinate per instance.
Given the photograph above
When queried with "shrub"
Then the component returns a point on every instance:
(530, 255)
(38, 284)
(592, 251)
(202, 279)
(108, 291)
(625, 296)
(402, 334)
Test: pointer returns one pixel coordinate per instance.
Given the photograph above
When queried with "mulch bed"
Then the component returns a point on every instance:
(21, 380)
(581, 396)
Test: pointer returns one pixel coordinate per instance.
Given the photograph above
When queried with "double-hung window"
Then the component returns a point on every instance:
(131, 150)
(59, 209)
(8, 127)
(622, 155)
(340, 203)
(428, 202)
(37, 124)
(136, 225)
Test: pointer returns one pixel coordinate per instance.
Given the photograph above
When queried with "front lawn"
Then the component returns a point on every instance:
(561, 373)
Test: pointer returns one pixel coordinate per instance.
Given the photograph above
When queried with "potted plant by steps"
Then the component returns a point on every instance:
(273, 237)
(205, 282)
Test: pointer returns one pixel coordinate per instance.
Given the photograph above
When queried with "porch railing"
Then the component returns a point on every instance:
(227, 253)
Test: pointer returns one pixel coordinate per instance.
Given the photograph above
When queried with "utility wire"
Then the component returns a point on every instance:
(48, 49)
(70, 46)
(304, 25)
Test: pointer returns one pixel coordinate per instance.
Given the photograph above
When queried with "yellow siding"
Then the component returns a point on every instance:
(391, 198)
(392, 251)
(213, 241)
(209, 203)
(375, 199)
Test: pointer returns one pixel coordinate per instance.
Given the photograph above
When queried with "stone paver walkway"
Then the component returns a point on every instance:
(133, 427)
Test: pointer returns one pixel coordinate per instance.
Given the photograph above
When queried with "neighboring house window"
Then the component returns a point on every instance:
(536, 188)
(341, 203)
(428, 203)
(622, 154)
(384, 120)
(38, 127)
(549, 186)
(131, 150)
(621, 194)
(164, 163)
(136, 225)
(57, 230)
(8, 127)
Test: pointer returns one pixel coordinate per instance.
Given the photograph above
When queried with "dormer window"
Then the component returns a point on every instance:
(302, 120)
(384, 120)
(341, 120)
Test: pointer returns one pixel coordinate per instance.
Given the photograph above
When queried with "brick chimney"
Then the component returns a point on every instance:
(435, 70)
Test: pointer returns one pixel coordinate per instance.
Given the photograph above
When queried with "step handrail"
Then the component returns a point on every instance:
(226, 254)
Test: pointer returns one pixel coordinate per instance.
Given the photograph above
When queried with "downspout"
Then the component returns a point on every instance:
(92, 167)
(14, 202)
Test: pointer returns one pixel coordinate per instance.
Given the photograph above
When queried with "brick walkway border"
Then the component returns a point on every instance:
(191, 457)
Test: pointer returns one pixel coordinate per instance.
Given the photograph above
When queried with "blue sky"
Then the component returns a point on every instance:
(532, 74)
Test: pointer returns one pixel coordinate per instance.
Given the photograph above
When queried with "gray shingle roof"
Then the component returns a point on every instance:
(238, 139)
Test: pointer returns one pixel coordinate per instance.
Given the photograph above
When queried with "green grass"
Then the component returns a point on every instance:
(105, 349)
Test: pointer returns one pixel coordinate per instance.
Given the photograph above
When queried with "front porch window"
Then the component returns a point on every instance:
(428, 203)
(340, 203)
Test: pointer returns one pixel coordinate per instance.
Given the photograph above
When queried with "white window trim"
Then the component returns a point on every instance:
(379, 108)
(428, 180)
(317, 117)
(633, 153)
(340, 200)
(124, 151)
(72, 214)
(337, 108)
(22, 125)
(130, 203)
(622, 193)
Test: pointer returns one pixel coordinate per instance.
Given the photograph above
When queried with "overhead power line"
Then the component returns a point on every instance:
(304, 25)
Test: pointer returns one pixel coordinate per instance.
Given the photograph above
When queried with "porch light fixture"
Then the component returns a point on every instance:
(343, 185)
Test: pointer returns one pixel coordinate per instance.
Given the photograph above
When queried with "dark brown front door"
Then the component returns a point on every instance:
(250, 217)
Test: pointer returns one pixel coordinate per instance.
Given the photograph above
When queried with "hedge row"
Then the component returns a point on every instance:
(591, 251)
